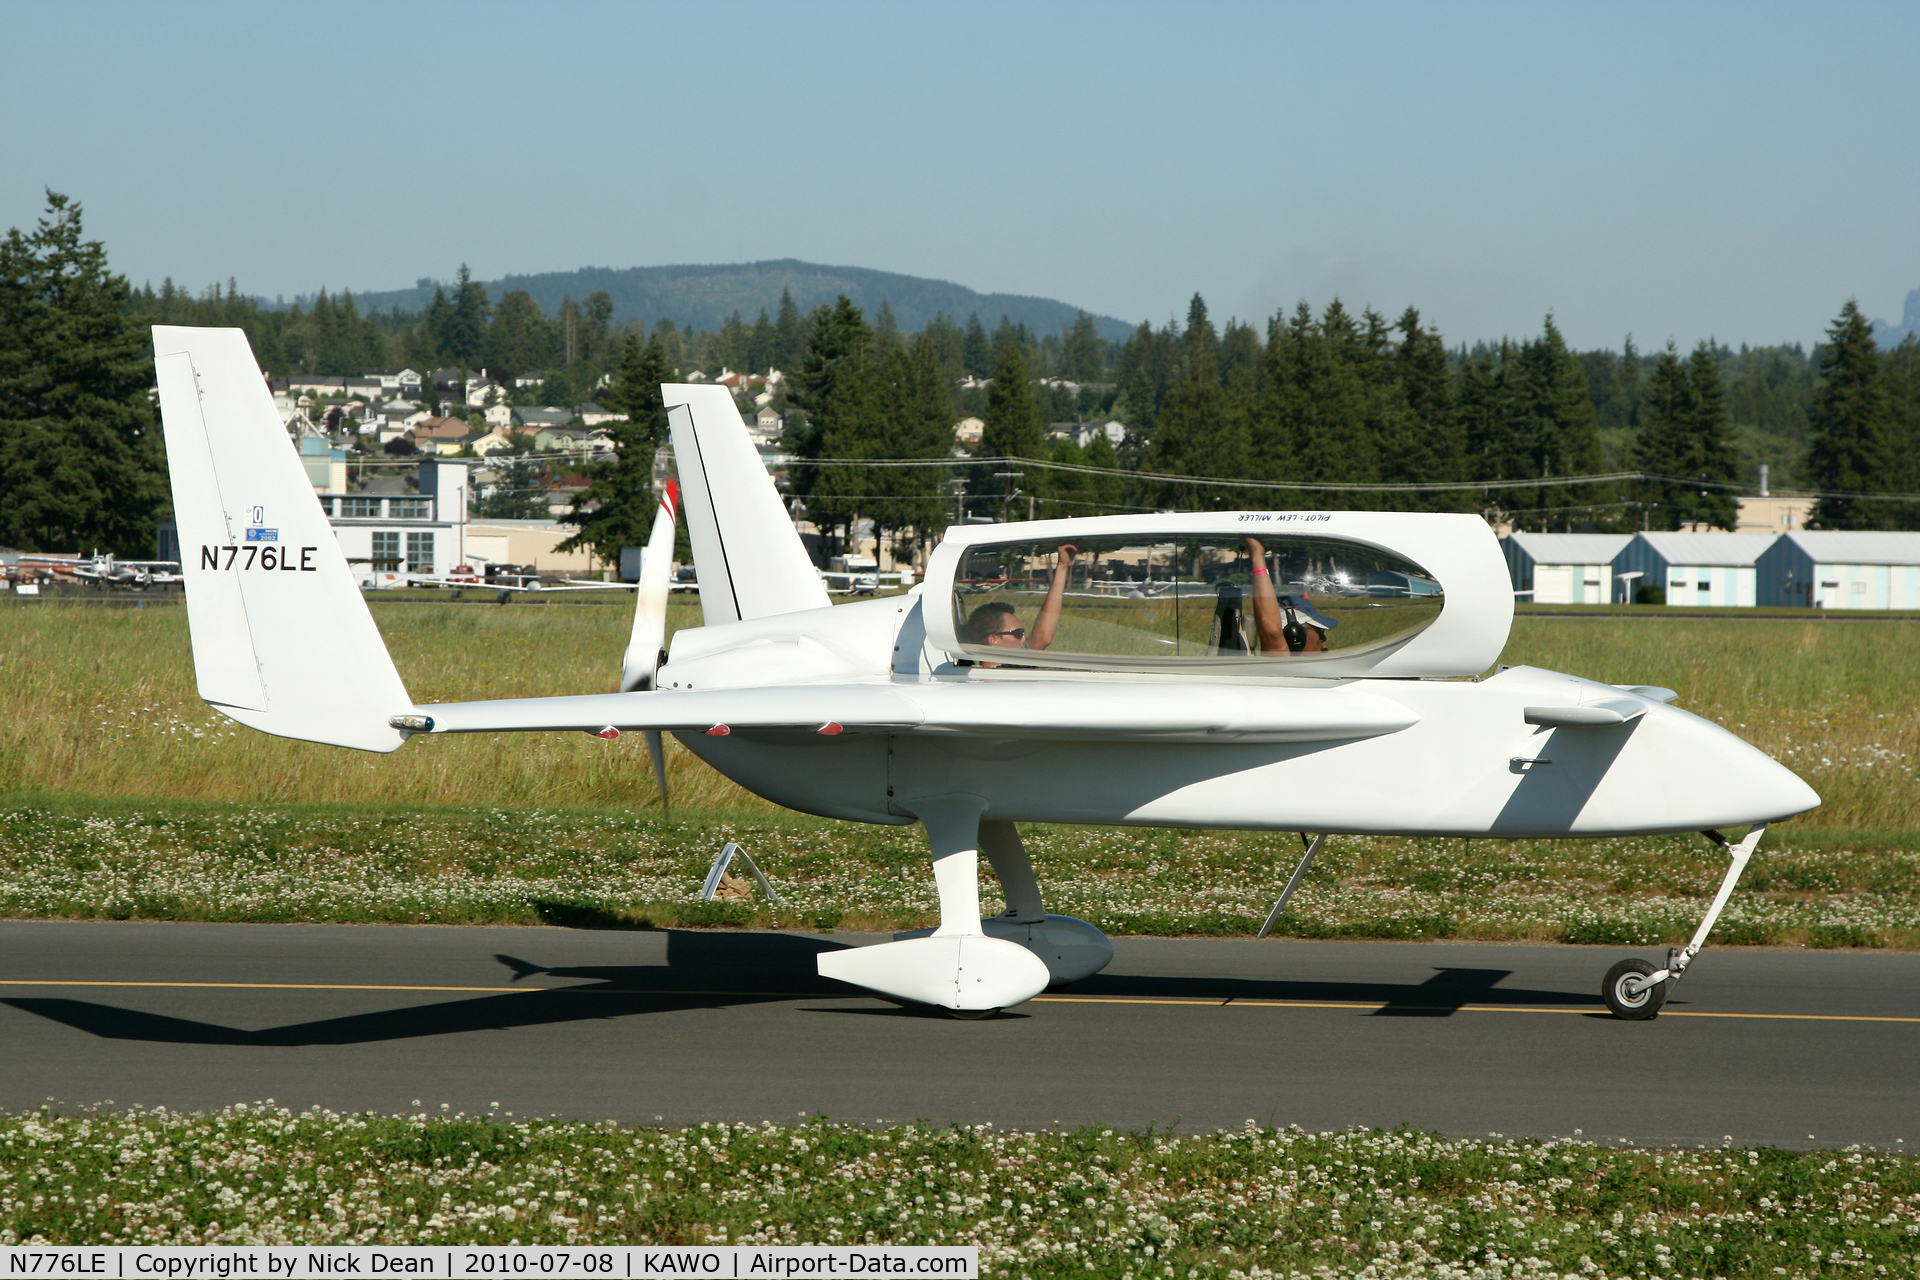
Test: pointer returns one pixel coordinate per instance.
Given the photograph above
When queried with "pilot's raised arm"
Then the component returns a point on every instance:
(1048, 622)
(1287, 624)
(1266, 604)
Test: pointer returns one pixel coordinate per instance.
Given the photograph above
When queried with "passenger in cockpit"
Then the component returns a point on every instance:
(1287, 624)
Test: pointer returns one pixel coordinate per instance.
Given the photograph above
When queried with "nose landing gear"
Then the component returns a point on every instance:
(1634, 989)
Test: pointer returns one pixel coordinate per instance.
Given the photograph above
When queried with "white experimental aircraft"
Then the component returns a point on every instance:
(1306, 671)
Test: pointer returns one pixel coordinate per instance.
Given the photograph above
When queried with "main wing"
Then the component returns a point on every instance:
(1013, 709)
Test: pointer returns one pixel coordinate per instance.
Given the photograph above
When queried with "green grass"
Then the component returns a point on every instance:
(101, 702)
(613, 868)
(1243, 1204)
(125, 795)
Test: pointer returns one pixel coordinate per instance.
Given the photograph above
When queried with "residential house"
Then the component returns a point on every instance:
(1565, 568)
(1696, 568)
(313, 384)
(491, 443)
(1083, 433)
(484, 390)
(1841, 569)
(593, 415)
(498, 415)
(533, 420)
(531, 379)
(432, 433)
(968, 431)
(402, 380)
(572, 439)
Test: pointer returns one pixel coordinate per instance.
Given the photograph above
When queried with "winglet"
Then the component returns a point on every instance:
(282, 640)
(749, 557)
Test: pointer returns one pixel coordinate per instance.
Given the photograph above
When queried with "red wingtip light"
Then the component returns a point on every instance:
(830, 728)
(609, 733)
(718, 731)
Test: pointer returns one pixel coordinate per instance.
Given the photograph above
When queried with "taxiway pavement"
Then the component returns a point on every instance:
(1785, 1048)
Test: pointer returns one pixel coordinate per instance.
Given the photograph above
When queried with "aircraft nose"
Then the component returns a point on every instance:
(1791, 792)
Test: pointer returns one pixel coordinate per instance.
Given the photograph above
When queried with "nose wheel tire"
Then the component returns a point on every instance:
(970, 1015)
(1626, 997)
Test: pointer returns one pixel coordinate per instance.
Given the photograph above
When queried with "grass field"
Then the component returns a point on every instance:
(1243, 1204)
(125, 795)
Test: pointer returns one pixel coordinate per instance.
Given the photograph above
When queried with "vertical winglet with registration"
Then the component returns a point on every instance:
(282, 639)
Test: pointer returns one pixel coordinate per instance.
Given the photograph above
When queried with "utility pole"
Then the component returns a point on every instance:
(1006, 506)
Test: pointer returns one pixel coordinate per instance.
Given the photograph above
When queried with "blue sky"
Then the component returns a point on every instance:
(1666, 170)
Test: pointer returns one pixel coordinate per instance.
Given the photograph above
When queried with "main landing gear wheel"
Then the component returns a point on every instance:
(1627, 997)
(971, 1015)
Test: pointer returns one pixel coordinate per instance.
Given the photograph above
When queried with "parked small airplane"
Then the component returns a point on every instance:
(1315, 671)
(104, 569)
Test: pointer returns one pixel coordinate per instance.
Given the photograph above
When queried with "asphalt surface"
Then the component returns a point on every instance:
(1768, 1047)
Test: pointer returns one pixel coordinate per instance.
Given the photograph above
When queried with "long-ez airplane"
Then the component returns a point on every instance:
(1292, 670)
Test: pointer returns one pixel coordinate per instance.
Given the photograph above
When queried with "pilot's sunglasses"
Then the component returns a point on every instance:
(1018, 633)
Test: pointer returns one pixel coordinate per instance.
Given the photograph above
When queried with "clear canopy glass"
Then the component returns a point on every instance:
(1130, 602)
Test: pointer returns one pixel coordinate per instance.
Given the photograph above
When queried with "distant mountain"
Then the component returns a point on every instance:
(1888, 336)
(704, 296)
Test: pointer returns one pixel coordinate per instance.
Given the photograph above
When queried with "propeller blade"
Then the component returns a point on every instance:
(642, 659)
(657, 753)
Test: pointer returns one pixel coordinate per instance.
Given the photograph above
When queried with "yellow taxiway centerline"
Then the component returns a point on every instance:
(1213, 1002)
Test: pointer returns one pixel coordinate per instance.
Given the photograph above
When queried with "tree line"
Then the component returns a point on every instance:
(1331, 398)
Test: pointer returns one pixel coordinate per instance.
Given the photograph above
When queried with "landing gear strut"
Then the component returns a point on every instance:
(1634, 989)
(959, 967)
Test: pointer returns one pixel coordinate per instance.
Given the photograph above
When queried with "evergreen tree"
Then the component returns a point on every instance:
(1013, 429)
(949, 344)
(597, 314)
(1903, 395)
(81, 462)
(1317, 416)
(616, 509)
(886, 330)
(1556, 431)
(833, 389)
(1712, 434)
(520, 340)
(977, 353)
(1424, 444)
(1686, 433)
(1239, 350)
(1198, 434)
(790, 335)
(1851, 425)
(1664, 446)
(1018, 337)
(920, 425)
(762, 345)
(465, 335)
(1083, 355)
(1107, 492)
(1150, 364)
(728, 348)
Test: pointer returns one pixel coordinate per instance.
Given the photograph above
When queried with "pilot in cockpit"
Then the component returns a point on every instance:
(996, 623)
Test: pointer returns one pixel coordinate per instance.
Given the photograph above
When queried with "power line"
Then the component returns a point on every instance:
(1543, 482)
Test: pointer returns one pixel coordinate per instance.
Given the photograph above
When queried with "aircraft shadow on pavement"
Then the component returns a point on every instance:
(720, 970)
(703, 971)
(1441, 996)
